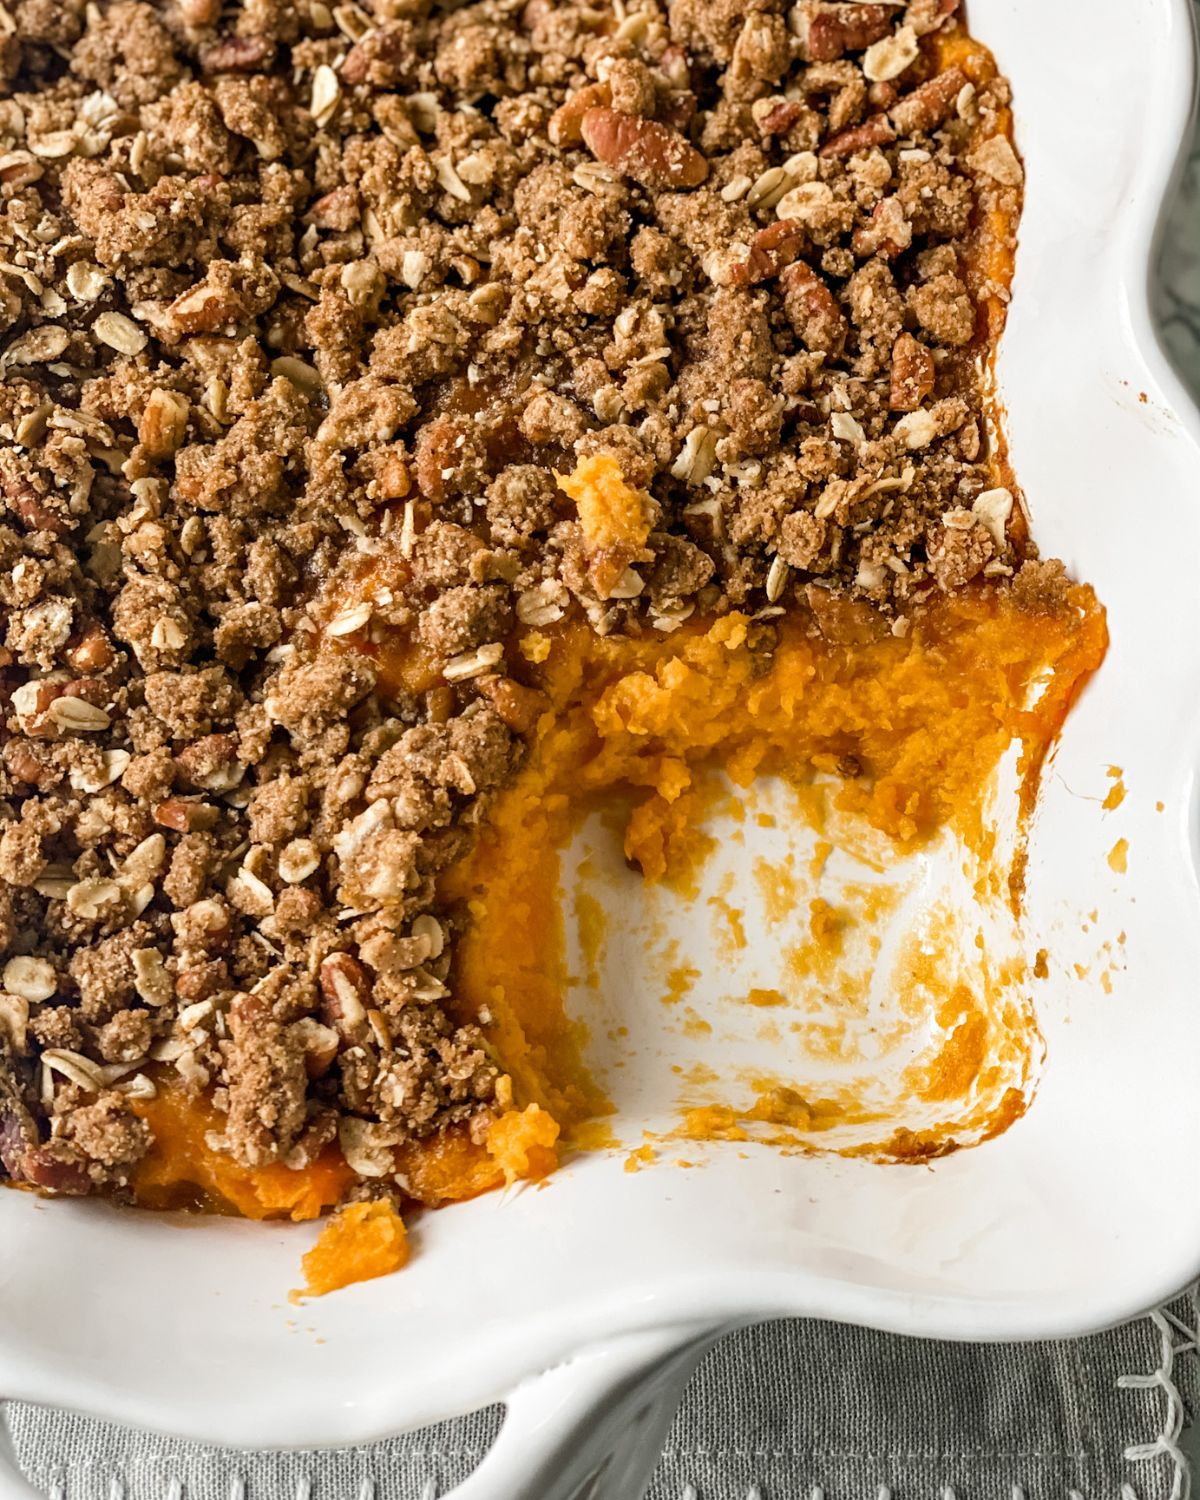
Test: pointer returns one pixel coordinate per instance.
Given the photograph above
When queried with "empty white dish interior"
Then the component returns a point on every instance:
(701, 1004)
(1078, 1215)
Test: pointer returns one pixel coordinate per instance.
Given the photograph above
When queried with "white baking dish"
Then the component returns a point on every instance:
(1077, 1217)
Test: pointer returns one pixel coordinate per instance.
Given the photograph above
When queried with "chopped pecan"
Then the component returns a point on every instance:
(875, 131)
(201, 981)
(184, 815)
(320, 1045)
(93, 690)
(338, 209)
(31, 703)
(345, 995)
(163, 423)
(211, 762)
(844, 621)
(771, 250)
(37, 705)
(829, 31)
(520, 707)
(24, 1156)
(439, 447)
(652, 154)
(22, 498)
(912, 373)
(776, 116)
(379, 58)
(43, 1167)
(887, 232)
(25, 764)
(566, 123)
(206, 309)
(812, 309)
(90, 650)
(926, 107)
(238, 54)
(925, 16)
(17, 1130)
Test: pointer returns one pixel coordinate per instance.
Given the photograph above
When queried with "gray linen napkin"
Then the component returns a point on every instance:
(794, 1410)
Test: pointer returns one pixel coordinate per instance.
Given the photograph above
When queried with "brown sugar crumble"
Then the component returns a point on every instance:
(292, 292)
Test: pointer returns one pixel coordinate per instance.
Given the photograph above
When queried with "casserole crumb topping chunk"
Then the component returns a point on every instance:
(374, 376)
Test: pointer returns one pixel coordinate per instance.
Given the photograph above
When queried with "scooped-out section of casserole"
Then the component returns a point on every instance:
(426, 429)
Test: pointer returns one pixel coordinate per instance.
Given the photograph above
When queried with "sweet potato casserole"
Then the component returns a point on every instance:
(419, 421)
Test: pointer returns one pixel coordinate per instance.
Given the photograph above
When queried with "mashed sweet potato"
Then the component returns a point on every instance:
(921, 722)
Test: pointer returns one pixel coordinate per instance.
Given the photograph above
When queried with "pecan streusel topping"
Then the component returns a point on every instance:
(290, 291)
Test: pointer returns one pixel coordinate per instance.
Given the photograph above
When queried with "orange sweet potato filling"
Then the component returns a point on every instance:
(360, 1242)
(648, 721)
(614, 518)
(181, 1169)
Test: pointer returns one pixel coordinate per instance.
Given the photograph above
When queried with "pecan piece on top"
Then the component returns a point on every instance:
(89, 649)
(566, 123)
(829, 31)
(812, 309)
(520, 707)
(28, 765)
(379, 58)
(204, 308)
(844, 621)
(926, 107)
(875, 131)
(776, 116)
(887, 232)
(25, 1158)
(652, 154)
(925, 16)
(185, 815)
(345, 995)
(237, 54)
(912, 374)
(771, 250)
(25, 502)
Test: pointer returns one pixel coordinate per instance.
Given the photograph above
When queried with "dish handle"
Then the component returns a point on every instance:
(592, 1428)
